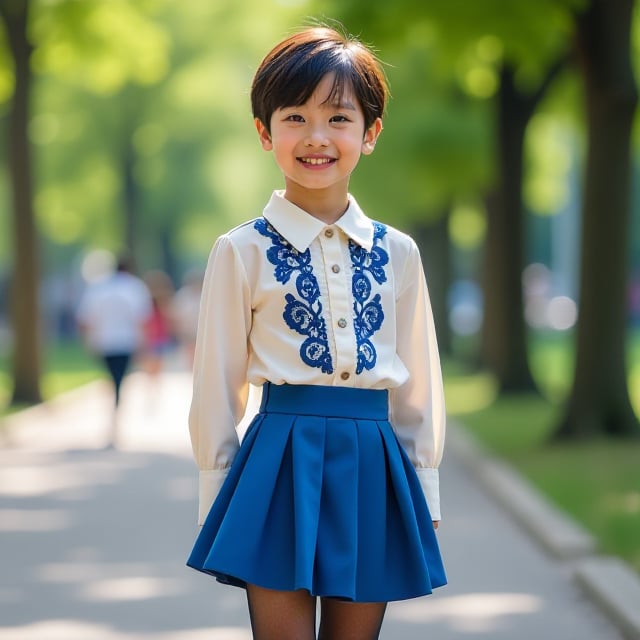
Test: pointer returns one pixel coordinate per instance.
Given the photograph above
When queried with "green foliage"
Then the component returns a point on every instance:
(436, 146)
(100, 45)
(472, 38)
(6, 67)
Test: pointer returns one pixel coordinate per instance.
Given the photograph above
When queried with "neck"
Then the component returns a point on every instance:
(324, 205)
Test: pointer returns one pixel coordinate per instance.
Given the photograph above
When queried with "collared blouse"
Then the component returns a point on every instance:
(290, 299)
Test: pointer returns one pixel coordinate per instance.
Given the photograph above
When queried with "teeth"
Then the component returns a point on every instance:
(316, 160)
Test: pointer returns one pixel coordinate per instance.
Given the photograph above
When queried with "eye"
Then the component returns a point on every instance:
(294, 117)
(339, 119)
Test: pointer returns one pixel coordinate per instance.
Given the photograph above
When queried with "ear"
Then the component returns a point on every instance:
(264, 135)
(371, 136)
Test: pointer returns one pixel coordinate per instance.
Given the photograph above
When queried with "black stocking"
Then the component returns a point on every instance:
(340, 620)
(281, 615)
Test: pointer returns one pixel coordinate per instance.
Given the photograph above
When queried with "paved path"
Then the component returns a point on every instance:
(93, 541)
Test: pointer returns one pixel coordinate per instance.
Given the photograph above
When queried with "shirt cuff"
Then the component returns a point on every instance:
(210, 483)
(430, 483)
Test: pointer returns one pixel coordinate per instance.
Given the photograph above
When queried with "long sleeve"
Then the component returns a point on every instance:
(417, 407)
(220, 385)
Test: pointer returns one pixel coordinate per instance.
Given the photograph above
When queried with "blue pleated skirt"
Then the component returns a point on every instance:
(321, 496)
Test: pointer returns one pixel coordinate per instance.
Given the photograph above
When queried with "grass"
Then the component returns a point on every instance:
(597, 482)
(65, 367)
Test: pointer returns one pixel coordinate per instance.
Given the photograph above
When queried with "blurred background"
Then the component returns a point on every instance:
(511, 153)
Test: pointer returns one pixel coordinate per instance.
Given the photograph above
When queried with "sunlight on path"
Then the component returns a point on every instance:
(74, 630)
(470, 613)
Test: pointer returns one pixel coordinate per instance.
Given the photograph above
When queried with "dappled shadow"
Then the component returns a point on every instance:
(100, 538)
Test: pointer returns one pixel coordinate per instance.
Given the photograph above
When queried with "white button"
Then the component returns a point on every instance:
(335, 268)
(342, 323)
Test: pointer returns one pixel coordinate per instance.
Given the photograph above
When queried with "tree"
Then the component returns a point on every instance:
(61, 20)
(24, 281)
(599, 399)
(504, 344)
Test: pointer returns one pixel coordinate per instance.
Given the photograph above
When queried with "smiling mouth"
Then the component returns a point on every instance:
(315, 162)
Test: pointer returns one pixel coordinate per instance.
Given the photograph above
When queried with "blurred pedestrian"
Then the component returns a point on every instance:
(111, 317)
(333, 491)
(158, 329)
(184, 312)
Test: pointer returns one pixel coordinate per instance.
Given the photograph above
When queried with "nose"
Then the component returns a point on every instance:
(316, 137)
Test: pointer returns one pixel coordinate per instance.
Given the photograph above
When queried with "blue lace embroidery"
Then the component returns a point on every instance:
(303, 314)
(367, 313)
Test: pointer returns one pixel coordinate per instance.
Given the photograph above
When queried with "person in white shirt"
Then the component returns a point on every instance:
(111, 317)
(332, 493)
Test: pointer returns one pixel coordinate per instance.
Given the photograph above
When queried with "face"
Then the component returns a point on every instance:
(318, 144)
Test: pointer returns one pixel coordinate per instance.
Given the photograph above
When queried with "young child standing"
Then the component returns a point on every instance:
(333, 493)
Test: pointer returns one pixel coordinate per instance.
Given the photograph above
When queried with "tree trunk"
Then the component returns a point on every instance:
(130, 106)
(599, 400)
(130, 198)
(168, 260)
(504, 339)
(24, 284)
(504, 342)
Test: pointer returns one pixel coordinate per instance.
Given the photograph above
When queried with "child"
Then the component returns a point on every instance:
(328, 311)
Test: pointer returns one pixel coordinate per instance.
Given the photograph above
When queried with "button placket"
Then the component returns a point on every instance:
(339, 299)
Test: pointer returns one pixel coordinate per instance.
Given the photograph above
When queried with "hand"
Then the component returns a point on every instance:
(435, 524)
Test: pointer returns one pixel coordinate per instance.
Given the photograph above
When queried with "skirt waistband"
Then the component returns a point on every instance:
(330, 402)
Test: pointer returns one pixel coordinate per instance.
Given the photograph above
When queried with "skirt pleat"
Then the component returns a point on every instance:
(308, 452)
(326, 503)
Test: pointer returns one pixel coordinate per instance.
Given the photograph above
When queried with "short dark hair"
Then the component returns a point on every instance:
(292, 70)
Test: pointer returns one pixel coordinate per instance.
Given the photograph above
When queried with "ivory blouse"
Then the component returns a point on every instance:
(290, 299)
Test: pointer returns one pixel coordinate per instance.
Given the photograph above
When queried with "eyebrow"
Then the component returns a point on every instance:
(330, 104)
(340, 104)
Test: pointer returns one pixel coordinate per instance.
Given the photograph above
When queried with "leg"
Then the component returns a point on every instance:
(281, 615)
(342, 620)
(117, 366)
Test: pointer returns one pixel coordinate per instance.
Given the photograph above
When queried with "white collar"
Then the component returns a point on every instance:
(300, 228)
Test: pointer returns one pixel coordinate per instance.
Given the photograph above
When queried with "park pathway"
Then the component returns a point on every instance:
(93, 540)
